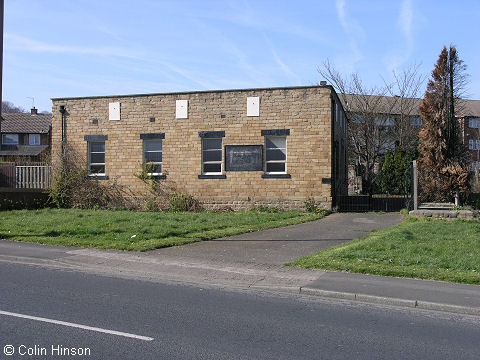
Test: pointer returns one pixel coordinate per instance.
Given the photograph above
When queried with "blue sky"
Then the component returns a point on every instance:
(104, 47)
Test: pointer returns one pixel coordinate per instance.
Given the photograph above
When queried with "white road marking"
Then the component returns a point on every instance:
(78, 326)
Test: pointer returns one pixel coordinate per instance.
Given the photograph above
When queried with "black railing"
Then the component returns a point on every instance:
(377, 202)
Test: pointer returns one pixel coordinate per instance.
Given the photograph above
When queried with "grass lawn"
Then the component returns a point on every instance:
(417, 248)
(129, 230)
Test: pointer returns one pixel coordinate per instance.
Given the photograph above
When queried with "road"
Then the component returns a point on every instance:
(174, 321)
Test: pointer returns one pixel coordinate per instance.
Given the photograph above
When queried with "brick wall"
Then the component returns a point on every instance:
(306, 112)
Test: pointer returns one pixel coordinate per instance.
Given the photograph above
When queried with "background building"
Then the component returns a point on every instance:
(25, 138)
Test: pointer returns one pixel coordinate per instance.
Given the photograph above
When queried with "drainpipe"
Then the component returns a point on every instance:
(62, 111)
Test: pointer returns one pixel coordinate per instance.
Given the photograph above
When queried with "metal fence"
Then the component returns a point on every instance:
(25, 177)
(7, 175)
(377, 202)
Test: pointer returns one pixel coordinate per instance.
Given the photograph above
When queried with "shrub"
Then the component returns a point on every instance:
(72, 187)
(310, 205)
(184, 202)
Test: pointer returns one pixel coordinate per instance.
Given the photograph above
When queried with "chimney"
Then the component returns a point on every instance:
(33, 111)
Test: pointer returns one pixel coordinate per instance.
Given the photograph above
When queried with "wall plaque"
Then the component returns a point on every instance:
(243, 157)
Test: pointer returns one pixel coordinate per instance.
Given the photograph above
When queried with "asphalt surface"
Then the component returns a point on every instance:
(191, 322)
(282, 245)
(255, 261)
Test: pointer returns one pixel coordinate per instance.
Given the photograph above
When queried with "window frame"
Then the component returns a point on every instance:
(6, 143)
(416, 121)
(89, 163)
(34, 136)
(154, 162)
(266, 162)
(473, 144)
(212, 162)
(471, 121)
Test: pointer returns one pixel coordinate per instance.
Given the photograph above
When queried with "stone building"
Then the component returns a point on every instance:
(241, 148)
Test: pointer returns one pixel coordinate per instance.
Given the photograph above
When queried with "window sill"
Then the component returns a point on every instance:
(276, 176)
(98, 177)
(204, 176)
(157, 176)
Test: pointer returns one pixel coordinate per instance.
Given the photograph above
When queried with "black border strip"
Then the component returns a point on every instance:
(211, 134)
(95, 137)
(276, 132)
(212, 176)
(152, 136)
(276, 176)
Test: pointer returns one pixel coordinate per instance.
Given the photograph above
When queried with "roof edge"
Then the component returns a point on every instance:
(195, 92)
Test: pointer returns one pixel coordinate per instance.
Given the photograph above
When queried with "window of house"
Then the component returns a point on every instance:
(275, 154)
(211, 156)
(416, 121)
(473, 123)
(10, 139)
(152, 155)
(474, 144)
(34, 139)
(358, 119)
(96, 158)
(475, 165)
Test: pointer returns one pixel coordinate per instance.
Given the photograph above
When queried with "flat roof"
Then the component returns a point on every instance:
(196, 92)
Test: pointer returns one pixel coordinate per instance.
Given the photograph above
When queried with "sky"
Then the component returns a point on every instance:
(70, 48)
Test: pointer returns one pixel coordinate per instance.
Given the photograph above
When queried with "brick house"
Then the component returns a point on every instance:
(26, 137)
(470, 130)
(241, 148)
(468, 118)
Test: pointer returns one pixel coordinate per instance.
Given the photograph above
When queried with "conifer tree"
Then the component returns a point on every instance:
(443, 159)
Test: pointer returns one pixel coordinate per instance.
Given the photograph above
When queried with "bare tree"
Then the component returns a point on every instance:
(377, 121)
(8, 108)
(404, 90)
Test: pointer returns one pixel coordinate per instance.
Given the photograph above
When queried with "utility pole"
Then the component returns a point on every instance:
(1, 65)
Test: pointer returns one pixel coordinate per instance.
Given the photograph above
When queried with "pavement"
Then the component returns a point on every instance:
(256, 261)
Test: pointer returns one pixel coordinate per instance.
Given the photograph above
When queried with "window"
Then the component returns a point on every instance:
(474, 166)
(473, 123)
(34, 139)
(358, 119)
(416, 121)
(276, 154)
(96, 158)
(474, 144)
(211, 156)
(10, 139)
(152, 155)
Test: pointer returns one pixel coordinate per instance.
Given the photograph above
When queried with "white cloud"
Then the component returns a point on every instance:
(402, 54)
(355, 35)
(20, 43)
(285, 68)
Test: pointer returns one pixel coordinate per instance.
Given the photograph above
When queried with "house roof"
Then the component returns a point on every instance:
(472, 108)
(392, 104)
(21, 123)
(22, 150)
